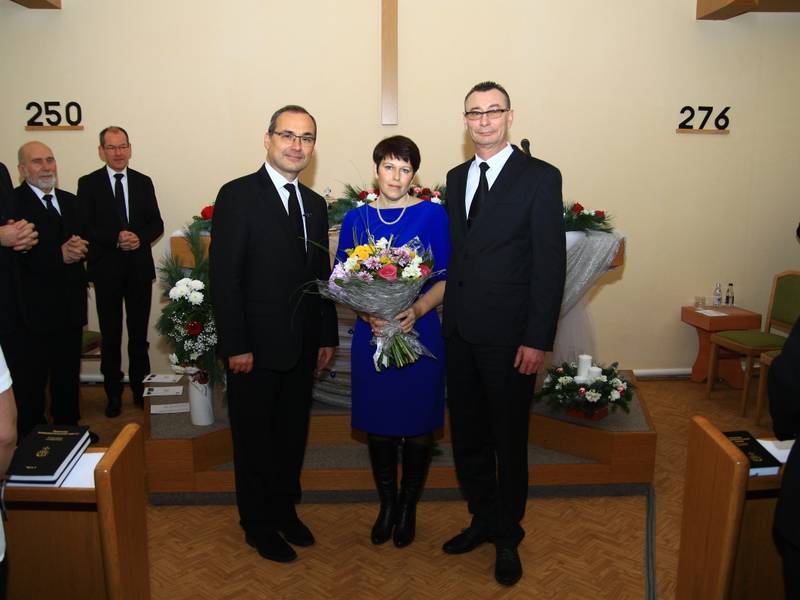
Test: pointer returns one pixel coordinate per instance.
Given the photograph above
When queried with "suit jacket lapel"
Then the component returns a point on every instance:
(458, 195)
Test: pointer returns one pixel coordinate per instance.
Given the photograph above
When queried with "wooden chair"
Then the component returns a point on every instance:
(90, 344)
(783, 311)
(765, 360)
(713, 501)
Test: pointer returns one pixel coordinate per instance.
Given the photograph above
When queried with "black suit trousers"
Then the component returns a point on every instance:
(489, 404)
(137, 297)
(57, 361)
(269, 414)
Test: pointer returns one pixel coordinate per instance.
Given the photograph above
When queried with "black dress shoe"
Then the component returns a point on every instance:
(114, 407)
(507, 566)
(296, 533)
(138, 401)
(271, 546)
(466, 541)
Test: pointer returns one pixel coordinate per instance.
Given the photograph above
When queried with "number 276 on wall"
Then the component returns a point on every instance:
(721, 121)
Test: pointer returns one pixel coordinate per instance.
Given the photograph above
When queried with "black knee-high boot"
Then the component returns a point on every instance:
(416, 458)
(383, 457)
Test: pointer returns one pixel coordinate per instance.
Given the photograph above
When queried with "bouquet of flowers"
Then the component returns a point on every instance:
(187, 321)
(383, 280)
(563, 388)
(578, 218)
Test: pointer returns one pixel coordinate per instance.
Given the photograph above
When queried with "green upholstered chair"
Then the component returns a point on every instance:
(783, 311)
(765, 360)
(90, 344)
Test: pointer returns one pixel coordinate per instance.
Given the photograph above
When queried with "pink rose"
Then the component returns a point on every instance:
(425, 270)
(388, 272)
(582, 391)
(560, 370)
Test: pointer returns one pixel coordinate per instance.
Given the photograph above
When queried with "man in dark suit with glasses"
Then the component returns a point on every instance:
(269, 239)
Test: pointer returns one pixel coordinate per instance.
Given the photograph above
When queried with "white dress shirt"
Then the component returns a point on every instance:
(113, 180)
(496, 164)
(279, 181)
(40, 194)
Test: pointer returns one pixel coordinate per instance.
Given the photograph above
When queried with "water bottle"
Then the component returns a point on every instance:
(718, 295)
(729, 295)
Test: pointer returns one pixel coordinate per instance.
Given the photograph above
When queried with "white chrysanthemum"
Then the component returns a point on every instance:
(382, 244)
(178, 292)
(184, 282)
(411, 272)
(616, 382)
(196, 284)
(195, 297)
(565, 380)
(602, 378)
(593, 396)
(173, 358)
(614, 395)
(350, 263)
(416, 261)
(372, 196)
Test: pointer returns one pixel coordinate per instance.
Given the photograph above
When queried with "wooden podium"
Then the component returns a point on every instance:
(727, 549)
(82, 542)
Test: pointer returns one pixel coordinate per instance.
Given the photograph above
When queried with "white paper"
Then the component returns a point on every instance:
(778, 449)
(162, 378)
(712, 313)
(164, 390)
(82, 474)
(171, 408)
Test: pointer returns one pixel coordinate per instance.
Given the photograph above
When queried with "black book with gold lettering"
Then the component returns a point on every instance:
(761, 461)
(46, 452)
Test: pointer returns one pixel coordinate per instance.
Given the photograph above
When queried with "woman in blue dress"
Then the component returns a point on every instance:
(399, 405)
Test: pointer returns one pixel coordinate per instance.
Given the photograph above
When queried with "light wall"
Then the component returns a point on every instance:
(596, 86)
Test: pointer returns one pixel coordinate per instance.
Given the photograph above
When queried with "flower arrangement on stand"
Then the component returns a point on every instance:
(586, 397)
(578, 218)
(187, 322)
(355, 196)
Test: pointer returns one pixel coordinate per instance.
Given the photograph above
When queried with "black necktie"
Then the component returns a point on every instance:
(48, 200)
(480, 195)
(119, 195)
(295, 216)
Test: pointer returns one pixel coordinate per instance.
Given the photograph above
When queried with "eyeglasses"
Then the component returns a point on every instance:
(289, 138)
(110, 148)
(493, 113)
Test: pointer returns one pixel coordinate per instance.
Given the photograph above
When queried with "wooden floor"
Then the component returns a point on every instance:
(581, 548)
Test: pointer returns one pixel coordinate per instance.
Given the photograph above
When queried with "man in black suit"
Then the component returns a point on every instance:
(269, 239)
(16, 236)
(53, 281)
(784, 406)
(504, 288)
(124, 221)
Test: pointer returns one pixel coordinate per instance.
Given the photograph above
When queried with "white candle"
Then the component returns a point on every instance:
(584, 362)
(595, 372)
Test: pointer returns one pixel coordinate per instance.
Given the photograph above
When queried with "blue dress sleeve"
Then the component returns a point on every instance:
(345, 235)
(439, 237)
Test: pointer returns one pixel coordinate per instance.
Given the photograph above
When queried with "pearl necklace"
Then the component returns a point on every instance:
(402, 212)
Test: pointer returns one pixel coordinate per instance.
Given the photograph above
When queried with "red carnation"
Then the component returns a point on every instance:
(425, 270)
(582, 391)
(388, 272)
(207, 212)
(194, 328)
(362, 195)
(600, 214)
(577, 208)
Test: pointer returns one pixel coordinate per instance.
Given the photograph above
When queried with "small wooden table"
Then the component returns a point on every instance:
(735, 318)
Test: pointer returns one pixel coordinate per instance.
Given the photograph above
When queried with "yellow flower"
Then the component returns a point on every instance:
(385, 260)
(362, 252)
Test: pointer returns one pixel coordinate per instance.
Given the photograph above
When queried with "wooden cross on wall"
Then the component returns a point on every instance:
(388, 62)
